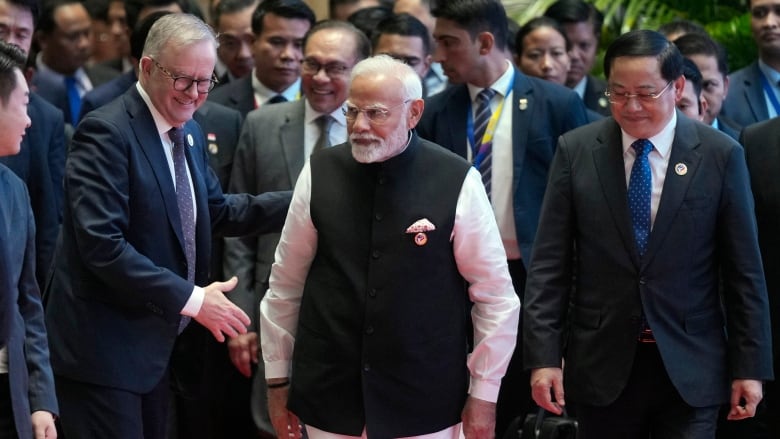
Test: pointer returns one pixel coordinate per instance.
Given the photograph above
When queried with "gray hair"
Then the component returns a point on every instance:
(386, 65)
(177, 30)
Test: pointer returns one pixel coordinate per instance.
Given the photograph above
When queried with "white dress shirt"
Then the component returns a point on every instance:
(478, 253)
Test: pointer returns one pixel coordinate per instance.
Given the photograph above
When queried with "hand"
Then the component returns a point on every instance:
(220, 315)
(285, 423)
(479, 419)
(43, 425)
(748, 391)
(243, 352)
(542, 381)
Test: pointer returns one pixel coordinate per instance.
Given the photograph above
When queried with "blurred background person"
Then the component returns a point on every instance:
(233, 23)
(691, 102)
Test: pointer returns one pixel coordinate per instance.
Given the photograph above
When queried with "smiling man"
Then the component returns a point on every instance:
(359, 346)
(142, 206)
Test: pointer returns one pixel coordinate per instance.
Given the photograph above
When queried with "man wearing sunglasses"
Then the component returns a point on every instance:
(130, 284)
(646, 279)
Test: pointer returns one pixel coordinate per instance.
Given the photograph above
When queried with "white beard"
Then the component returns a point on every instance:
(368, 148)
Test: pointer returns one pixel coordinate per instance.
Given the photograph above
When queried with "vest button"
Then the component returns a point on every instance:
(370, 330)
(366, 367)
(372, 292)
(378, 217)
(375, 254)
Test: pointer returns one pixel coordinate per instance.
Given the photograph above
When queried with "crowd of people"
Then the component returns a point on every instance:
(413, 219)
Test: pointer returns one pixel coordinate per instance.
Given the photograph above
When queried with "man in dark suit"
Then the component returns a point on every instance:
(41, 161)
(645, 214)
(275, 143)
(710, 58)
(762, 150)
(279, 28)
(232, 20)
(471, 35)
(27, 400)
(135, 250)
(582, 23)
(755, 90)
(62, 76)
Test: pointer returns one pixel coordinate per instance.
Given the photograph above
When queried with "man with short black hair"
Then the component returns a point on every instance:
(404, 38)
(233, 24)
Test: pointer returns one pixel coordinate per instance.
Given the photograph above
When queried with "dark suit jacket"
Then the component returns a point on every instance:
(221, 125)
(704, 226)
(120, 275)
(40, 164)
(745, 103)
(729, 127)
(594, 96)
(762, 149)
(237, 95)
(22, 330)
(550, 111)
(57, 95)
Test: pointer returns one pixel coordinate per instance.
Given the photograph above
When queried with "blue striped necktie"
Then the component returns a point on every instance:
(481, 121)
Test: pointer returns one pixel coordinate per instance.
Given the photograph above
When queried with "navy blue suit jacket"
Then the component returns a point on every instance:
(237, 95)
(40, 164)
(588, 287)
(550, 111)
(119, 283)
(22, 330)
(745, 103)
(57, 95)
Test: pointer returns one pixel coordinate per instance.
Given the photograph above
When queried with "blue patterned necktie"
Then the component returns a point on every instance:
(74, 99)
(640, 186)
(481, 121)
(186, 206)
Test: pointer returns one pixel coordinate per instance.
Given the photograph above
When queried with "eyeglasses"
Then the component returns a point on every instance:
(183, 83)
(647, 98)
(312, 67)
(375, 115)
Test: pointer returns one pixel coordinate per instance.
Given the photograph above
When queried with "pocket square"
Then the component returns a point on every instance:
(422, 225)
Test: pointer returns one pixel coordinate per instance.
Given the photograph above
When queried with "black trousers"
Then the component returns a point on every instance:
(89, 411)
(514, 397)
(649, 407)
(7, 423)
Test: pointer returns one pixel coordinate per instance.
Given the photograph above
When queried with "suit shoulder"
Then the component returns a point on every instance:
(220, 111)
(275, 112)
(44, 109)
(747, 73)
(12, 184)
(223, 94)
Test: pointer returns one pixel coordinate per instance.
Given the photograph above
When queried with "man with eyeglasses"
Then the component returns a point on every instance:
(274, 144)
(646, 280)
(233, 24)
(278, 27)
(389, 248)
(125, 304)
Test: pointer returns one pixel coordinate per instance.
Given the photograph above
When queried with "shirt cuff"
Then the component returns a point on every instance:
(277, 369)
(486, 390)
(192, 307)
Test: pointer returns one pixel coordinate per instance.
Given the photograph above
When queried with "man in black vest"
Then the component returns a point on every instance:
(389, 243)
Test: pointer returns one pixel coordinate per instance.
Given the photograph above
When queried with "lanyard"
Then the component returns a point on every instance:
(770, 93)
(479, 151)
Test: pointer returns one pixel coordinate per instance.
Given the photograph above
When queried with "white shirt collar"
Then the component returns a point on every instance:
(501, 85)
(662, 141)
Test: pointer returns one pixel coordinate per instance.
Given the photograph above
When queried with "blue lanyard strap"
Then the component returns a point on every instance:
(771, 93)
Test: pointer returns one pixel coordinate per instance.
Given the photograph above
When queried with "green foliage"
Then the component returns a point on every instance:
(727, 21)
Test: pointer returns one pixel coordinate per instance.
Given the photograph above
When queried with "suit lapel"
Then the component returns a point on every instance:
(291, 141)
(145, 132)
(686, 139)
(610, 167)
(522, 105)
(754, 94)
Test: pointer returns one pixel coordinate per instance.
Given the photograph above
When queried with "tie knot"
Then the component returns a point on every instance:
(324, 122)
(276, 99)
(642, 147)
(177, 136)
(486, 94)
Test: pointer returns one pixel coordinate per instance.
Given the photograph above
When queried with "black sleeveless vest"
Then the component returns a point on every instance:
(382, 335)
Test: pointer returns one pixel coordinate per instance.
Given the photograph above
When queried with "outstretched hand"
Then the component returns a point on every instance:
(221, 316)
